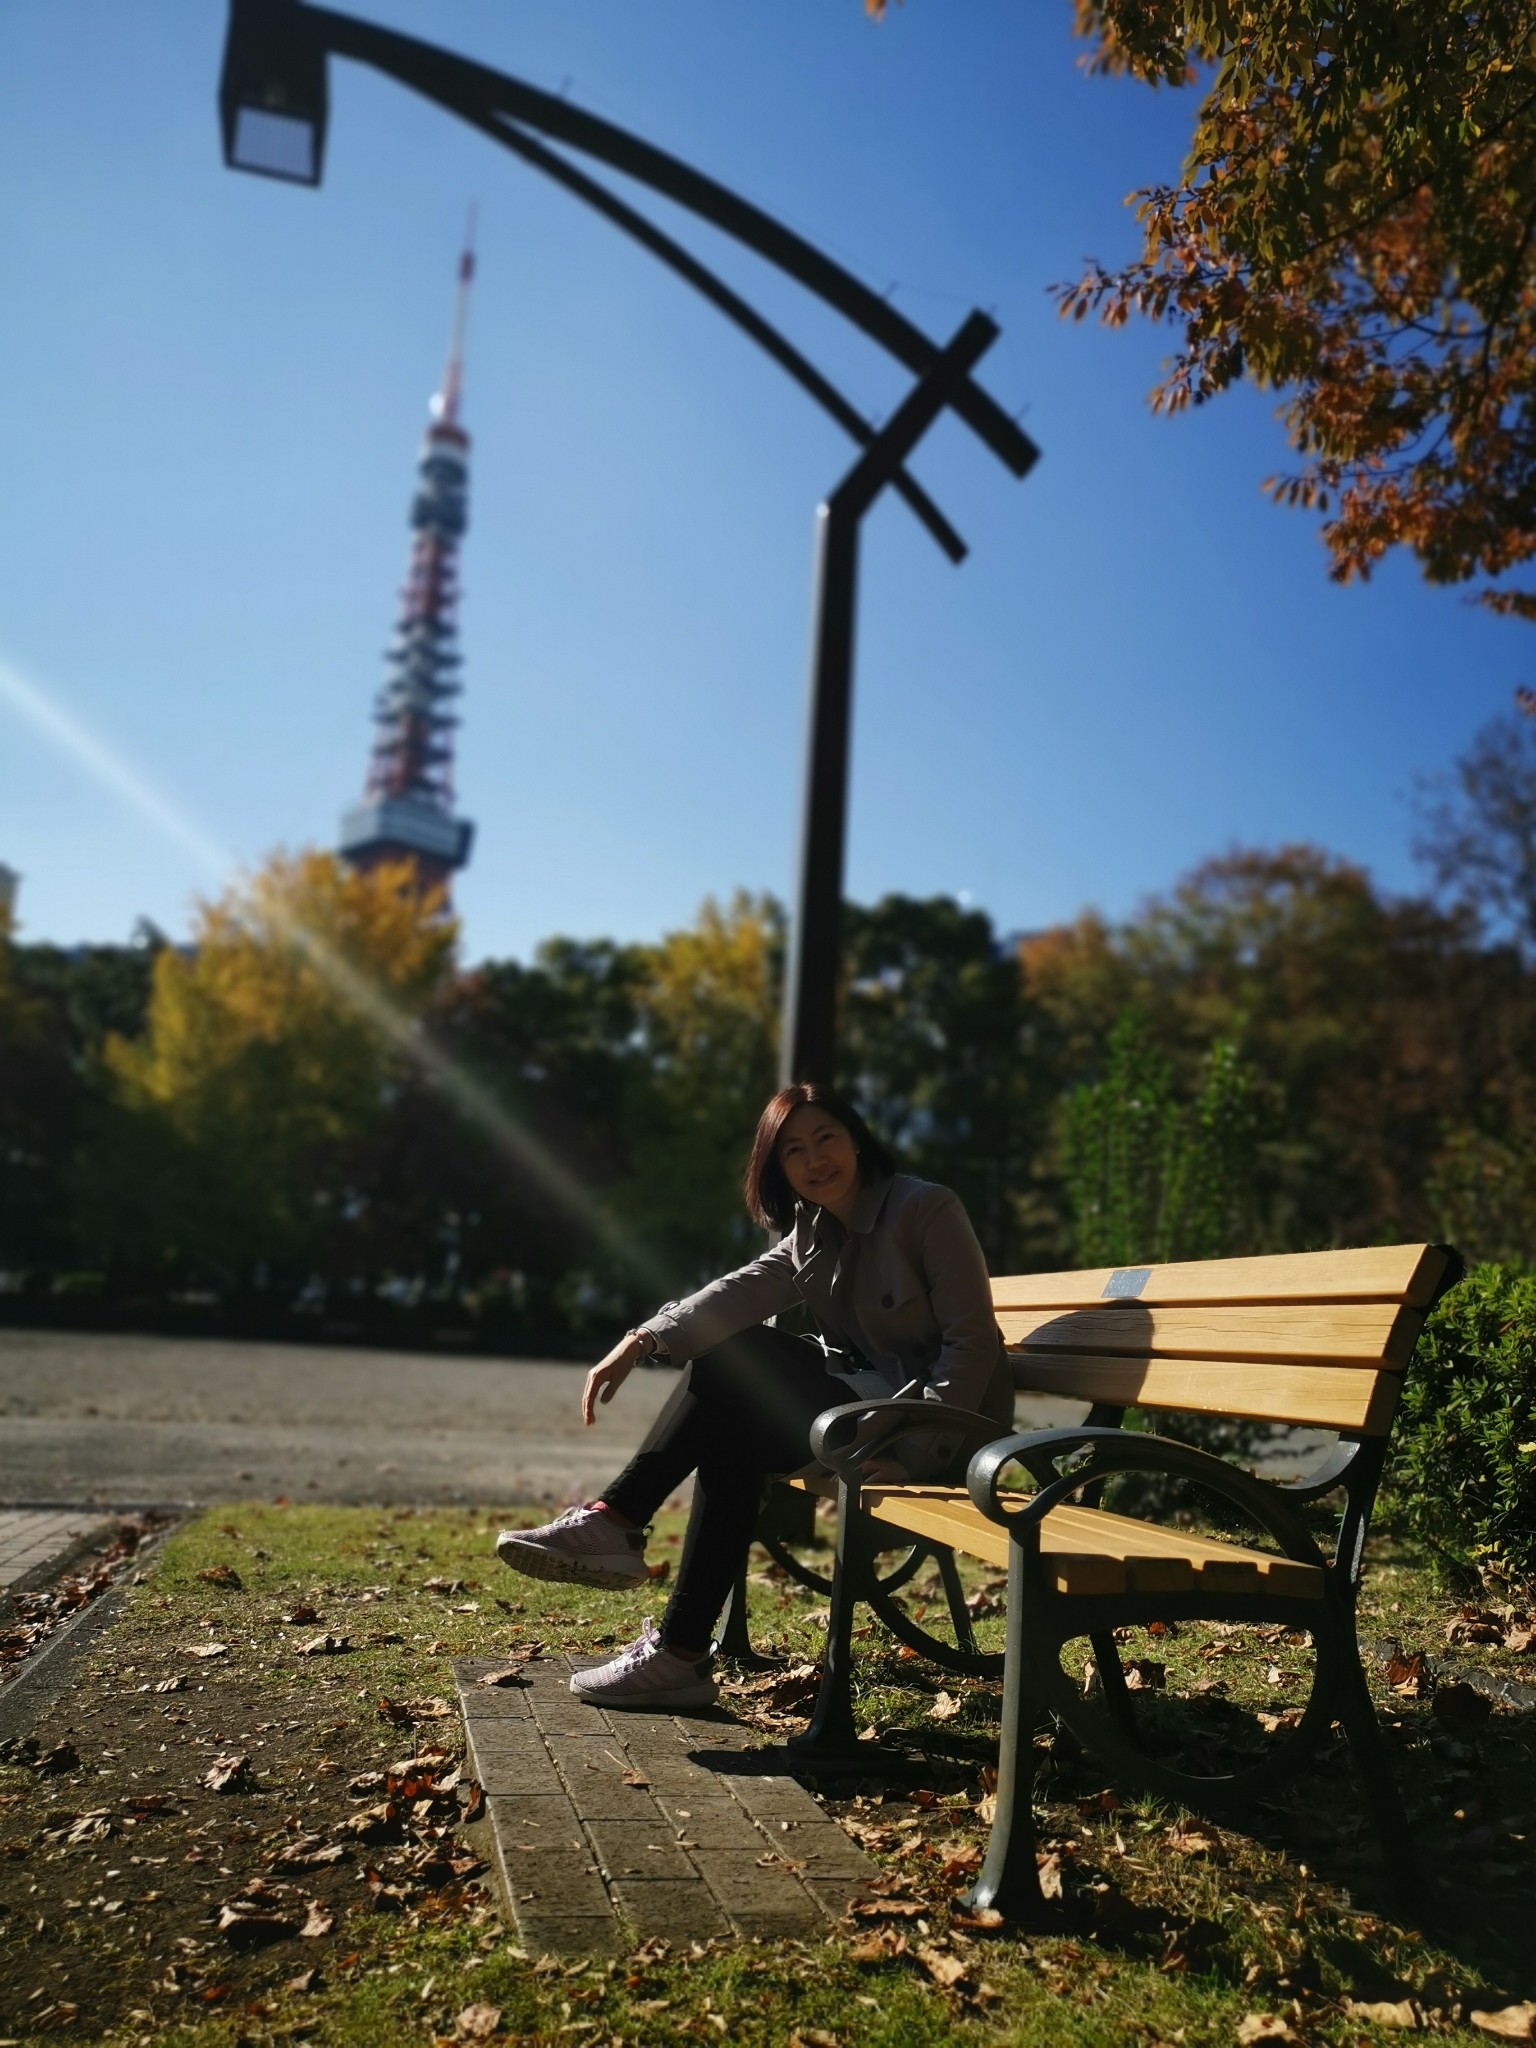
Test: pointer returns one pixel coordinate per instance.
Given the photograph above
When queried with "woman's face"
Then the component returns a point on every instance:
(818, 1158)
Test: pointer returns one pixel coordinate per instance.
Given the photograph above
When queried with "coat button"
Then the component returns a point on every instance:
(887, 1301)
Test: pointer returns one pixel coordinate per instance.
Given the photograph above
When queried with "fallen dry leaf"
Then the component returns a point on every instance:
(635, 1778)
(1275, 1724)
(1262, 2026)
(812, 2037)
(946, 1970)
(428, 1709)
(1508, 2023)
(1460, 1706)
(1384, 2012)
(1474, 1625)
(1519, 1639)
(325, 1646)
(393, 1711)
(886, 1909)
(984, 1918)
(177, 1682)
(437, 1585)
(510, 1674)
(229, 1774)
(306, 1980)
(311, 1855)
(303, 1612)
(62, 1757)
(221, 1575)
(1145, 1674)
(317, 1922)
(944, 1708)
(1189, 1840)
(1049, 1868)
(253, 1922)
(1407, 1676)
(205, 1650)
(477, 2022)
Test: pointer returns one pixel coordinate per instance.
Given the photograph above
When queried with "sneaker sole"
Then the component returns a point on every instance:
(535, 1563)
(662, 1702)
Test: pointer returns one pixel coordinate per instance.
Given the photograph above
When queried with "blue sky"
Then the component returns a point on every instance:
(211, 391)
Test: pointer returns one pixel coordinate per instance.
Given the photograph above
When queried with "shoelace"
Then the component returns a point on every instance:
(637, 1652)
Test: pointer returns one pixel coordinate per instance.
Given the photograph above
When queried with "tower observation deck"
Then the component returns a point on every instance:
(407, 808)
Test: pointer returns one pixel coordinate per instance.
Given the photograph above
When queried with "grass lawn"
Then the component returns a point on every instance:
(118, 1862)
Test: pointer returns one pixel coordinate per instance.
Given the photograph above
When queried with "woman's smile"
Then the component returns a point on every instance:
(819, 1160)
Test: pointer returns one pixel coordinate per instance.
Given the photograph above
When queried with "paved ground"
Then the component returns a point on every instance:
(30, 1540)
(122, 1420)
(659, 1818)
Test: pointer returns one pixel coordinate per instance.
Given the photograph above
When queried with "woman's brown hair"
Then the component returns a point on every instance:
(770, 1198)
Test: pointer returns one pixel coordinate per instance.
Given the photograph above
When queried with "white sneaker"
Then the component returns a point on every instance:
(648, 1675)
(584, 1546)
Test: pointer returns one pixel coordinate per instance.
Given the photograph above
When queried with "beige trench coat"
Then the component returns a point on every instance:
(906, 1285)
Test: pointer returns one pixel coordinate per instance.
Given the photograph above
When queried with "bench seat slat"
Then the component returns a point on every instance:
(1348, 1333)
(1406, 1273)
(1093, 1551)
(1319, 1396)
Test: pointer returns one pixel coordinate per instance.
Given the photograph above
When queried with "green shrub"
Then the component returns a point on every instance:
(1463, 1465)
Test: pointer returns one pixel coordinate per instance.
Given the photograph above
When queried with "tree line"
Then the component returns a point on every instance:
(313, 1118)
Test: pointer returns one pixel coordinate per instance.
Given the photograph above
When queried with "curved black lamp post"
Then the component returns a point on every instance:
(273, 105)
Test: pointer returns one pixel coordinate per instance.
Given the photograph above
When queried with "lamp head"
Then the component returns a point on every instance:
(272, 92)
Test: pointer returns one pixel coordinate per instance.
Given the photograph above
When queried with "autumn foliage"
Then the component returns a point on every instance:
(1354, 227)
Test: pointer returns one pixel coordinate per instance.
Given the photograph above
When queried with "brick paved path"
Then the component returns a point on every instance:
(30, 1539)
(609, 1828)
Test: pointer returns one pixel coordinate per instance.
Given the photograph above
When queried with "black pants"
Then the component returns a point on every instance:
(739, 1413)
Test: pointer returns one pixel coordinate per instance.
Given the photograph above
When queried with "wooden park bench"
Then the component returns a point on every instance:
(1318, 1340)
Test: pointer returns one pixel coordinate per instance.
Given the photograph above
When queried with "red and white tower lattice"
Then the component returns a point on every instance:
(407, 807)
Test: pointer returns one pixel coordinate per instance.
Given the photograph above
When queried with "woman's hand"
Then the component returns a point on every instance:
(608, 1375)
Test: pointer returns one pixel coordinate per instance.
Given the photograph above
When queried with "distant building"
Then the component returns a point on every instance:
(407, 808)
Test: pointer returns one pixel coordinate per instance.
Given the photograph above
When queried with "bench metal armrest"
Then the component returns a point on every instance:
(843, 1437)
(1125, 1450)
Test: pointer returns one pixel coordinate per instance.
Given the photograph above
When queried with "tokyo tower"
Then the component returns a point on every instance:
(407, 807)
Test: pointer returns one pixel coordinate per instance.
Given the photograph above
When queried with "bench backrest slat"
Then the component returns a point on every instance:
(1316, 1396)
(1314, 1338)
(1406, 1273)
(1346, 1333)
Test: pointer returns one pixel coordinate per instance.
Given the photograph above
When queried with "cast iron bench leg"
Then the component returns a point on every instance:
(954, 1594)
(1117, 1699)
(1009, 1879)
(832, 1733)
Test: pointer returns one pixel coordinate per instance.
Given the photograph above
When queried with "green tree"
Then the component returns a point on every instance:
(943, 1052)
(1371, 1027)
(1352, 227)
(1151, 1178)
(708, 1024)
(246, 1112)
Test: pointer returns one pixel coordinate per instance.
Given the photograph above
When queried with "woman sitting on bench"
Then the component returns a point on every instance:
(891, 1270)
